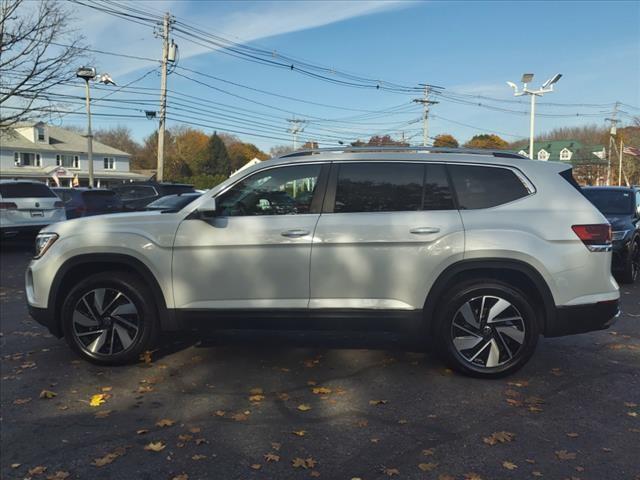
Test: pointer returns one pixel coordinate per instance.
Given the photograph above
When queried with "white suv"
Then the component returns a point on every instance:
(26, 207)
(485, 250)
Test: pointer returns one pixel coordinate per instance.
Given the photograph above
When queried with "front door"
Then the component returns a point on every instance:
(255, 252)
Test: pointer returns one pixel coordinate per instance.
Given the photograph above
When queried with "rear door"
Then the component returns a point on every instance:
(29, 203)
(255, 253)
(386, 231)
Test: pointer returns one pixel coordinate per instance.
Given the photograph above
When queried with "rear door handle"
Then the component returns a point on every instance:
(424, 230)
(295, 233)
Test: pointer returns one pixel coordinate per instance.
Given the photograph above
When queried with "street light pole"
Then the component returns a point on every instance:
(89, 134)
(547, 87)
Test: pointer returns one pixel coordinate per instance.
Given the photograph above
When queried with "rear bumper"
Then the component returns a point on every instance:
(46, 318)
(583, 318)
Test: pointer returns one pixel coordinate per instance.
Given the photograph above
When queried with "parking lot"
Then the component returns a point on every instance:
(343, 405)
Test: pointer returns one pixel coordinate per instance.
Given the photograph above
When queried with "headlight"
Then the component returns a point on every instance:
(43, 242)
(619, 234)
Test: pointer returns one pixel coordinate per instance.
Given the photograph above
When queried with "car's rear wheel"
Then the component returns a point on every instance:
(632, 264)
(485, 328)
(109, 318)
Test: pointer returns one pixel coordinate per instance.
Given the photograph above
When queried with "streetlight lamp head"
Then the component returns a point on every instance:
(527, 77)
(552, 80)
(86, 73)
(150, 114)
(514, 86)
(106, 79)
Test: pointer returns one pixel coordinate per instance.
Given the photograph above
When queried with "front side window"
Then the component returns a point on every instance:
(379, 187)
(109, 163)
(479, 186)
(69, 161)
(276, 191)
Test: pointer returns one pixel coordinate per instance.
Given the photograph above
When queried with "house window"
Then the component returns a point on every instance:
(69, 161)
(109, 163)
(565, 154)
(41, 134)
(22, 159)
(543, 155)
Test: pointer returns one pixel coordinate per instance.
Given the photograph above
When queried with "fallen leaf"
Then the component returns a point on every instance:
(155, 446)
(472, 476)
(47, 394)
(314, 473)
(299, 463)
(303, 407)
(403, 421)
(256, 466)
(240, 417)
(427, 467)
(142, 431)
(106, 389)
(321, 390)
(146, 357)
(536, 473)
(498, 437)
(59, 475)
(391, 471)
(311, 463)
(299, 433)
(256, 391)
(271, 457)
(630, 404)
(39, 470)
(572, 435)
(378, 402)
(102, 413)
(194, 429)
(564, 455)
(256, 398)
(185, 438)
(98, 399)
(15, 465)
(182, 476)
(557, 372)
(605, 449)
(165, 422)
(509, 465)
(428, 452)
(219, 413)
(21, 401)
(283, 396)
(444, 476)
(200, 441)
(631, 414)
(275, 445)
(198, 457)
(579, 469)
(109, 457)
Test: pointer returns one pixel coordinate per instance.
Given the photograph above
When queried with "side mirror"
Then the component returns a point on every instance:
(207, 209)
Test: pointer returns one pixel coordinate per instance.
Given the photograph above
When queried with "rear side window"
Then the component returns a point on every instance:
(379, 187)
(134, 192)
(97, 199)
(437, 194)
(25, 190)
(484, 187)
(176, 189)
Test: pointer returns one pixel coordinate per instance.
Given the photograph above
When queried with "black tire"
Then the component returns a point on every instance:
(632, 263)
(79, 312)
(453, 334)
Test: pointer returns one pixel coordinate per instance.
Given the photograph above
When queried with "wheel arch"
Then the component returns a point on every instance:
(515, 272)
(80, 266)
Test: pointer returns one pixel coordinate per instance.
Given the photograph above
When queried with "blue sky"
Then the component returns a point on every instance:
(470, 48)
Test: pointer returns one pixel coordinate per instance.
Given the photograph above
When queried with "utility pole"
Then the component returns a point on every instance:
(297, 126)
(426, 103)
(613, 131)
(168, 55)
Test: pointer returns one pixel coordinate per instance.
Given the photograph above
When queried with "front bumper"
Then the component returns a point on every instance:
(583, 318)
(14, 231)
(46, 318)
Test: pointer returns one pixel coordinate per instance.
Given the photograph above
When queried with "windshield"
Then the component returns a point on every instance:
(611, 202)
(172, 202)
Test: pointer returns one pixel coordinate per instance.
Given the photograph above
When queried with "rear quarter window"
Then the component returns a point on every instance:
(25, 190)
(478, 186)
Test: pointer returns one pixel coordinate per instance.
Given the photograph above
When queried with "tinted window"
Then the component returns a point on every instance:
(277, 191)
(379, 187)
(172, 202)
(175, 189)
(437, 194)
(100, 199)
(134, 192)
(484, 187)
(25, 190)
(611, 202)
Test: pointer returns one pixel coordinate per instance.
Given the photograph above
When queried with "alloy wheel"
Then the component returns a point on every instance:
(105, 322)
(488, 331)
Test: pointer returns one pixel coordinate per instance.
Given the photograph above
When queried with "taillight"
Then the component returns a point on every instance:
(58, 205)
(8, 206)
(597, 238)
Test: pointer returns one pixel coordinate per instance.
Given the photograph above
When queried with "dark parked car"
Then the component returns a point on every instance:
(84, 202)
(173, 203)
(621, 206)
(137, 195)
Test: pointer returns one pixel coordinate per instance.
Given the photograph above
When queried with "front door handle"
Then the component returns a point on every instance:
(424, 230)
(295, 233)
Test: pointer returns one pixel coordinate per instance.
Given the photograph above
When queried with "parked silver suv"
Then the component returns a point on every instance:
(487, 250)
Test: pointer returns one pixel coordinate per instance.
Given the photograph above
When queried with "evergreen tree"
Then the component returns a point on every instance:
(217, 162)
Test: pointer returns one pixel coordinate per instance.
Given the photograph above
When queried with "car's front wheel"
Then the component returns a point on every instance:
(486, 328)
(109, 318)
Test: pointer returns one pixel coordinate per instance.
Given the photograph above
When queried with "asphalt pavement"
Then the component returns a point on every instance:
(296, 405)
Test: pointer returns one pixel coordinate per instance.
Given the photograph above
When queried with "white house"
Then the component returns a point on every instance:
(38, 151)
(250, 163)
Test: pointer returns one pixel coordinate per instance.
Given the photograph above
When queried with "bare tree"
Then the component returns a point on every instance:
(38, 51)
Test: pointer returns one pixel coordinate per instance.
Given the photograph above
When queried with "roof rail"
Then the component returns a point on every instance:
(402, 149)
